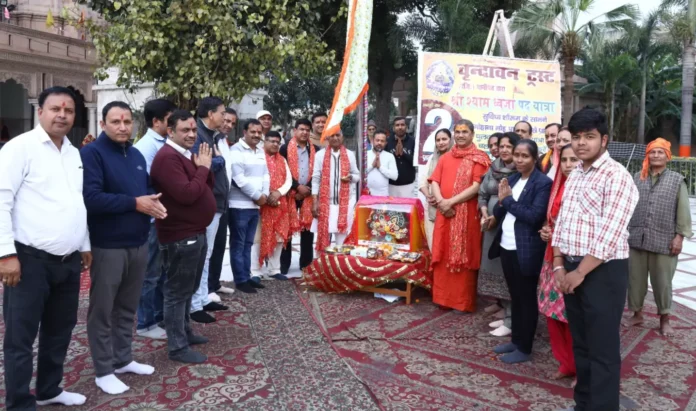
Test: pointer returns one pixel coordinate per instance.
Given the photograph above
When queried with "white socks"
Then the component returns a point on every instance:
(110, 384)
(65, 398)
(136, 368)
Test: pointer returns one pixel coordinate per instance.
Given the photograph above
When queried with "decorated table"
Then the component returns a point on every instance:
(386, 244)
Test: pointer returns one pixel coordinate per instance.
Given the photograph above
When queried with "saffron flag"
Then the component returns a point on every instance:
(352, 84)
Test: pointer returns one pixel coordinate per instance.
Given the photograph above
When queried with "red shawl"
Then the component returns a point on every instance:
(302, 220)
(275, 222)
(323, 235)
(471, 155)
(554, 207)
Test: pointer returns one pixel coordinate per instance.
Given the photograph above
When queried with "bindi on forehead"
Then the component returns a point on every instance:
(191, 123)
(62, 104)
(122, 117)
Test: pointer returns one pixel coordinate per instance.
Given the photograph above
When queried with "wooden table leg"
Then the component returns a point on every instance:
(408, 293)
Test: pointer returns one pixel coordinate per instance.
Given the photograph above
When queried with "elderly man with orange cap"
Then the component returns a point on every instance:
(657, 229)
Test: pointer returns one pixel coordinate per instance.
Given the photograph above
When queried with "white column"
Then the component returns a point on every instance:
(92, 116)
(35, 104)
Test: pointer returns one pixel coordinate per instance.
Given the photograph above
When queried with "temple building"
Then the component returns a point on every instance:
(35, 55)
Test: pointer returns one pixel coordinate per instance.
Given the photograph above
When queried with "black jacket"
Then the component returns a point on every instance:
(284, 152)
(221, 190)
(530, 211)
(407, 171)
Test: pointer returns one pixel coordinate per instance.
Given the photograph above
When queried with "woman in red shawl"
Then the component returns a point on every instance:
(550, 297)
(457, 236)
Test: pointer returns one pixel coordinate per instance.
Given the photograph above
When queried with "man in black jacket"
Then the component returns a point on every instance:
(301, 164)
(402, 145)
(210, 118)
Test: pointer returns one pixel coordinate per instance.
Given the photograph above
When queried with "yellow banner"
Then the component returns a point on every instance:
(494, 93)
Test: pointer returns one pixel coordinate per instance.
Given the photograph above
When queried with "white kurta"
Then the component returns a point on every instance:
(335, 186)
(378, 178)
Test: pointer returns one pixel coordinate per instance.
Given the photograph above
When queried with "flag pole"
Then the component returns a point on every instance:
(361, 132)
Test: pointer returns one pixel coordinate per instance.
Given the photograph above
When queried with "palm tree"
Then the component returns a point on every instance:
(645, 42)
(609, 68)
(552, 28)
(684, 30)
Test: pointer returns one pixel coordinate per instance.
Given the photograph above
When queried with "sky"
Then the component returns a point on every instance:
(603, 6)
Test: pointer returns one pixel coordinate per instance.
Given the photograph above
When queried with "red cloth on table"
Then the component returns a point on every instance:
(456, 290)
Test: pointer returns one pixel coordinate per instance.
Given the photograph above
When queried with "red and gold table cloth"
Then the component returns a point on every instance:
(338, 273)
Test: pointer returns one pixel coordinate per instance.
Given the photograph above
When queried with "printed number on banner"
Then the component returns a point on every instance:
(430, 120)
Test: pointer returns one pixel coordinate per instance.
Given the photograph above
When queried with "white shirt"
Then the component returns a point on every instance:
(378, 178)
(41, 201)
(178, 148)
(508, 239)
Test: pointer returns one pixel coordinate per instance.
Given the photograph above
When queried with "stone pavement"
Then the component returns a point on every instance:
(684, 283)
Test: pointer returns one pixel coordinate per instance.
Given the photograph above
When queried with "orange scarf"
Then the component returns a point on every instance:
(274, 220)
(657, 143)
(458, 259)
(323, 235)
(303, 221)
(545, 161)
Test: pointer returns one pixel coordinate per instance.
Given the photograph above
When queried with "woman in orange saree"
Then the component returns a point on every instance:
(457, 236)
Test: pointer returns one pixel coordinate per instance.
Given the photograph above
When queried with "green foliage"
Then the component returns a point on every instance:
(456, 26)
(299, 96)
(195, 48)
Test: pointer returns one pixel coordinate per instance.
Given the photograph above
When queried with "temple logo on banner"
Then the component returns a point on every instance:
(494, 93)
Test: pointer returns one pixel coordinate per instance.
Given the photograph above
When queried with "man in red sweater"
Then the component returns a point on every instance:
(186, 184)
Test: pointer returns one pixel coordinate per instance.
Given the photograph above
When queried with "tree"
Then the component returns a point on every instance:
(553, 29)
(299, 96)
(456, 26)
(684, 30)
(608, 68)
(195, 48)
(645, 42)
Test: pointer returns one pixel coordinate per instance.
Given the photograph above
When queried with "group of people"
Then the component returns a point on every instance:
(150, 222)
(566, 234)
(555, 233)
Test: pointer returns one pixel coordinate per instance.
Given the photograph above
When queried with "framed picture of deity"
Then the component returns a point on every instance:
(394, 223)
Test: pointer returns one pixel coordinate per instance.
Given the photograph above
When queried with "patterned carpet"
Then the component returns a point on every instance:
(421, 358)
(267, 353)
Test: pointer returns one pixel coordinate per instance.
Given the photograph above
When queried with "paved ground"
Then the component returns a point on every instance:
(685, 278)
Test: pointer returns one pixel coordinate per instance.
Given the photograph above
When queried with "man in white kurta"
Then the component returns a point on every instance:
(272, 271)
(335, 177)
(381, 166)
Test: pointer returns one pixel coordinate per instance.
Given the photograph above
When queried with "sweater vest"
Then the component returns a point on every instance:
(654, 222)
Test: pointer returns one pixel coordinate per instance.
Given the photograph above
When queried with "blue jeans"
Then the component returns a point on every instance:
(243, 224)
(151, 301)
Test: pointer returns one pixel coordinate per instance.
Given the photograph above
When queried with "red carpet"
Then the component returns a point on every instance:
(266, 353)
(421, 358)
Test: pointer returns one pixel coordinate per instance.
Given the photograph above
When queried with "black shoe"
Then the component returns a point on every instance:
(255, 285)
(189, 357)
(194, 339)
(246, 288)
(202, 317)
(213, 306)
(279, 277)
(255, 279)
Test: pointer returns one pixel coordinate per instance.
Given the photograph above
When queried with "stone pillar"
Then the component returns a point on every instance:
(35, 105)
(92, 116)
